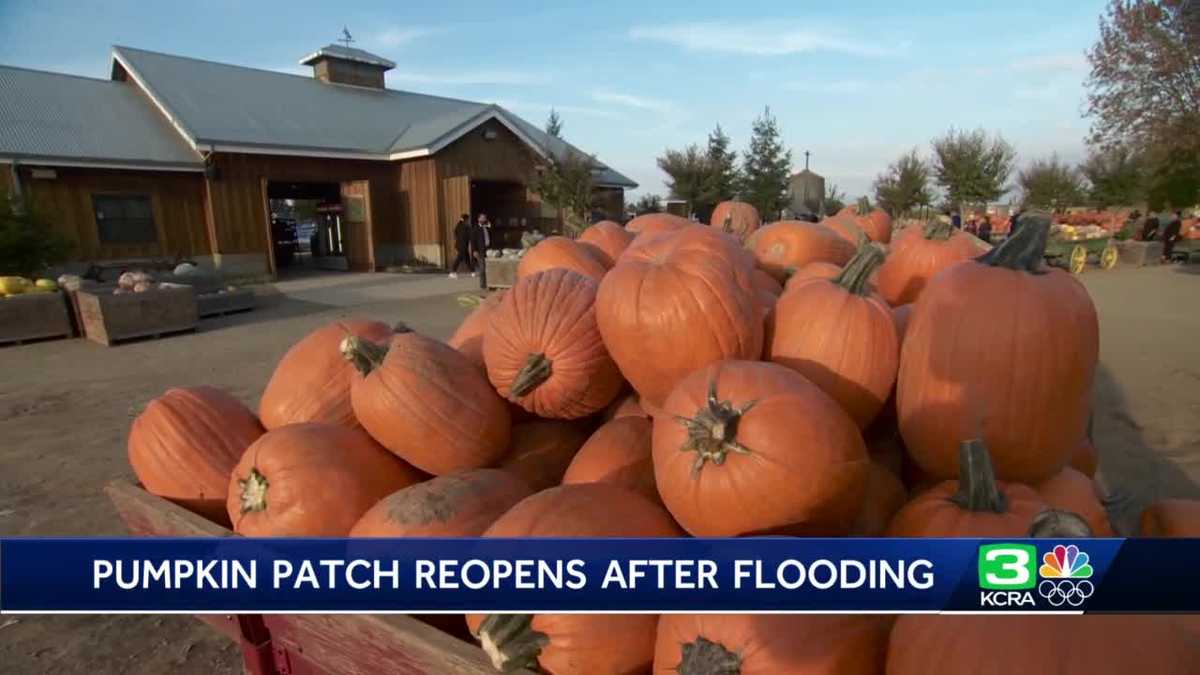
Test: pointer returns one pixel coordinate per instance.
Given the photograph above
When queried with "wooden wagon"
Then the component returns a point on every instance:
(1074, 254)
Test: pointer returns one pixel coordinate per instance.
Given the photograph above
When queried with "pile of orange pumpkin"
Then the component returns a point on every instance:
(667, 379)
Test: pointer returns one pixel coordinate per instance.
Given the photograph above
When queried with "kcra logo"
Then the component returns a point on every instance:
(1009, 576)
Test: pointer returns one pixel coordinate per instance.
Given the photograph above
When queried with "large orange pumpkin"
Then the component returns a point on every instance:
(575, 644)
(737, 218)
(846, 225)
(1071, 491)
(1176, 518)
(813, 270)
(878, 226)
(770, 644)
(747, 447)
(543, 348)
(840, 336)
(468, 337)
(311, 480)
(1018, 366)
(312, 381)
(560, 252)
(618, 452)
(885, 495)
(625, 406)
(541, 451)
(427, 403)
(783, 247)
(608, 240)
(455, 505)
(975, 505)
(654, 223)
(185, 444)
(676, 304)
(917, 255)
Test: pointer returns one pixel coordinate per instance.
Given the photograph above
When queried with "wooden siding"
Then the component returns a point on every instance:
(418, 201)
(175, 197)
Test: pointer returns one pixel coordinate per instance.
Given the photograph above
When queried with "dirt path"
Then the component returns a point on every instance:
(65, 408)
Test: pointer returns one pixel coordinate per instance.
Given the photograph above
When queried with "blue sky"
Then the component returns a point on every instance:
(857, 85)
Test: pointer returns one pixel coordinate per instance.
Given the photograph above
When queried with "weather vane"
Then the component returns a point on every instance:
(346, 39)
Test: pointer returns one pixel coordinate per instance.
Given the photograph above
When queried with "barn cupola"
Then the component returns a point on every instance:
(343, 64)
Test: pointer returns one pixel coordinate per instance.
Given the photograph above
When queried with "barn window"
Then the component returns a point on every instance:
(125, 219)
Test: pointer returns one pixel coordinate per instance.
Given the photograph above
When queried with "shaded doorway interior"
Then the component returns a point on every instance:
(507, 207)
(307, 231)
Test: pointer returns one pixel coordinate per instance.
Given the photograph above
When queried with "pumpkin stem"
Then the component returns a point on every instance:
(854, 276)
(1056, 524)
(864, 206)
(510, 641)
(253, 491)
(1024, 251)
(712, 433)
(537, 369)
(937, 230)
(977, 489)
(362, 353)
(470, 300)
(705, 657)
(728, 224)
(401, 328)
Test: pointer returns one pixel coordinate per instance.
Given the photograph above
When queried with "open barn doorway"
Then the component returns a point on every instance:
(306, 231)
(507, 206)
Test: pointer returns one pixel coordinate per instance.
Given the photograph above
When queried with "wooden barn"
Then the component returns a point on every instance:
(180, 157)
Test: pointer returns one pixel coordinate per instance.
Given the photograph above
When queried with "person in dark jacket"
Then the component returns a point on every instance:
(1170, 235)
(481, 238)
(1150, 227)
(956, 220)
(462, 244)
(985, 229)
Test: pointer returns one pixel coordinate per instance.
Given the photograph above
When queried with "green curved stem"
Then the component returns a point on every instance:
(537, 369)
(363, 354)
(1024, 251)
(977, 489)
(510, 641)
(712, 433)
(857, 273)
(705, 657)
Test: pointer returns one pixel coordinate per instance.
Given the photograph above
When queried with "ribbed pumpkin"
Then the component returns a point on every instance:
(560, 252)
(541, 451)
(975, 505)
(846, 225)
(1177, 518)
(185, 444)
(918, 254)
(311, 480)
(746, 447)
(770, 644)
(781, 248)
(543, 348)
(468, 337)
(618, 452)
(460, 504)
(609, 240)
(813, 270)
(737, 218)
(570, 644)
(312, 381)
(840, 336)
(1019, 366)
(676, 304)
(1072, 491)
(653, 223)
(885, 495)
(427, 403)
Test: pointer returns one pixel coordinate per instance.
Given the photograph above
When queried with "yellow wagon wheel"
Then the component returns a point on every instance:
(1108, 259)
(1078, 259)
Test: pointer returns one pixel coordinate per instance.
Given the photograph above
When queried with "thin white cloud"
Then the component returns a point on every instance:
(544, 108)
(393, 37)
(756, 38)
(632, 101)
(1051, 63)
(462, 77)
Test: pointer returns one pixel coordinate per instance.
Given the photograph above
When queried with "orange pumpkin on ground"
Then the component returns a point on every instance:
(618, 452)
(770, 644)
(570, 644)
(654, 223)
(608, 239)
(736, 218)
(878, 226)
(427, 403)
(1176, 518)
(975, 505)
(1071, 491)
(455, 505)
(885, 495)
(676, 304)
(917, 255)
(783, 247)
(813, 270)
(840, 336)
(625, 406)
(846, 225)
(543, 348)
(311, 480)
(468, 337)
(312, 381)
(968, 366)
(560, 253)
(541, 452)
(746, 447)
(185, 444)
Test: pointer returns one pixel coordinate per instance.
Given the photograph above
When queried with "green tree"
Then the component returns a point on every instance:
(1174, 179)
(904, 186)
(723, 170)
(688, 173)
(566, 184)
(554, 124)
(972, 168)
(1050, 184)
(648, 203)
(28, 244)
(766, 166)
(1115, 176)
(835, 199)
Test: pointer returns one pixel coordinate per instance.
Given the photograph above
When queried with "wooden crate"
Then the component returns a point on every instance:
(501, 272)
(107, 318)
(307, 644)
(216, 304)
(1139, 253)
(34, 316)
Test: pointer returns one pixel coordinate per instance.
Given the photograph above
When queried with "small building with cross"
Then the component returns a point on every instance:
(806, 191)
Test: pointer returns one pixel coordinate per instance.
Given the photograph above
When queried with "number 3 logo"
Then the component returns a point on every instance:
(1007, 566)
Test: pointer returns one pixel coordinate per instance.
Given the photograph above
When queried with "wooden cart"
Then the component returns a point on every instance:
(1074, 254)
(310, 644)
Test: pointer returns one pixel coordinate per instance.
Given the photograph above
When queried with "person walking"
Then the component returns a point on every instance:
(985, 229)
(462, 244)
(481, 238)
(1170, 235)
(956, 220)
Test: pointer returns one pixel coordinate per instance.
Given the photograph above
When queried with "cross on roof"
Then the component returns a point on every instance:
(346, 39)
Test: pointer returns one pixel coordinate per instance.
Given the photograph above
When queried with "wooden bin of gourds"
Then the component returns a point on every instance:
(669, 379)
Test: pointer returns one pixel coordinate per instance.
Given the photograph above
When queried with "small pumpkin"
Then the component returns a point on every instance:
(460, 504)
(878, 226)
(736, 218)
(654, 223)
(885, 495)
(814, 270)
(608, 240)
(185, 444)
(1176, 518)
(781, 248)
(746, 447)
(543, 348)
(618, 452)
(1069, 490)
(975, 505)
(427, 403)
(311, 480)
(312, 381)
(917, 255)
(541, 451)
(560, 252)
(468, 337)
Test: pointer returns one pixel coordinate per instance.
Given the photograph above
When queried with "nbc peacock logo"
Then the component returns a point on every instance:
(1066, 573)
